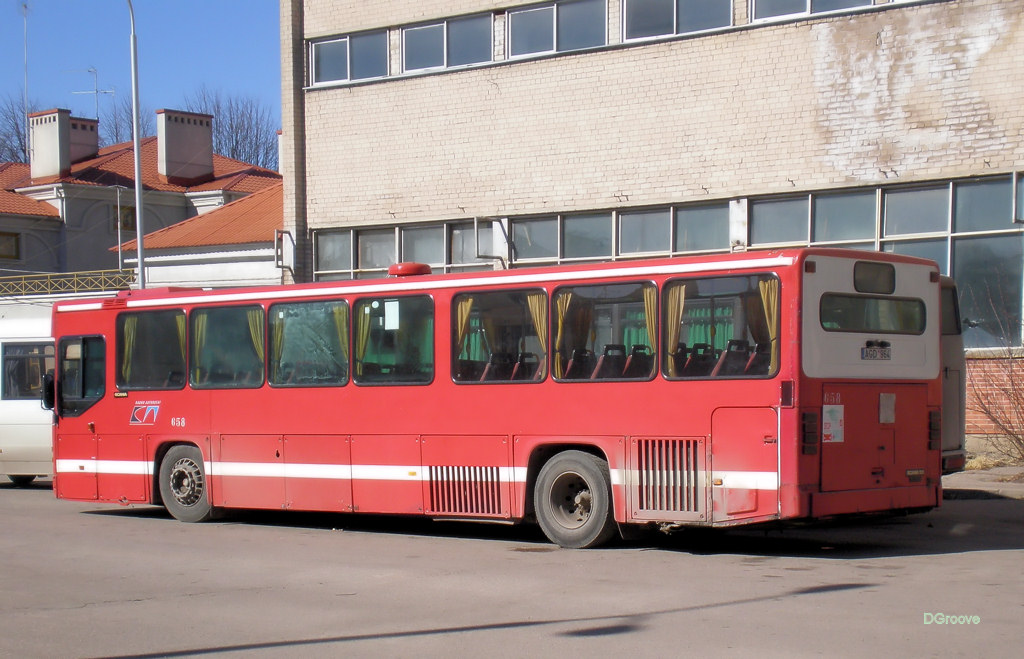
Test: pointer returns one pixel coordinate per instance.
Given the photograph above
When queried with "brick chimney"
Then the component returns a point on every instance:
(184, 146)
(58, 140)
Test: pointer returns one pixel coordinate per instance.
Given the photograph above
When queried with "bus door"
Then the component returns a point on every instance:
(954, 381)
(80, 385)
(744, 463)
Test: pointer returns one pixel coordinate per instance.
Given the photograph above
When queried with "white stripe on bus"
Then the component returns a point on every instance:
(741, 480)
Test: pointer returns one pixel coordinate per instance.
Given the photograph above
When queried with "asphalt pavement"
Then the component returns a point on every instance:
(996, 482)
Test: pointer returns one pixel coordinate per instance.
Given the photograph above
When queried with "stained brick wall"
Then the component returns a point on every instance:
(916, 92)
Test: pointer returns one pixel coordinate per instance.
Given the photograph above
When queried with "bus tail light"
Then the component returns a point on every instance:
(809, 434)
(934, 430)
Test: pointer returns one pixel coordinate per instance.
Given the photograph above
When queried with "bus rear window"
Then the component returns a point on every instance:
(869, 314)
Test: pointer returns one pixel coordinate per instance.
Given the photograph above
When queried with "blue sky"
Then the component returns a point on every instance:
(227, 45)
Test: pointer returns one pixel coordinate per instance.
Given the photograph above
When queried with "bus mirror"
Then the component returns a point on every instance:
(48, 395)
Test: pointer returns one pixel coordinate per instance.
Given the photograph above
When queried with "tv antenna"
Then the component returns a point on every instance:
(96, 91)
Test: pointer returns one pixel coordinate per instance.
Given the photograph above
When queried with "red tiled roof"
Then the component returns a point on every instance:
(12, 203)
(115, 165)
(251, 219)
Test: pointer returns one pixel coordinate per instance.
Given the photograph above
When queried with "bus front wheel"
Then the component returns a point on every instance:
(183, 486)
(573, 500)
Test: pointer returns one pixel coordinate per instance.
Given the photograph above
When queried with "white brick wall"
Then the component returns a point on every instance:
(917, 92)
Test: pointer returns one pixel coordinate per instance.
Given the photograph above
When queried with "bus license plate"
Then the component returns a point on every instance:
(875, 353)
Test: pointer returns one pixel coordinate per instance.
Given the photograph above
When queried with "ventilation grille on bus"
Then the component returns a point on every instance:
(667, 475)
(465, 490)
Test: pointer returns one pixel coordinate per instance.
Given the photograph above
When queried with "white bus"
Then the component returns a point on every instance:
(26, 355)
(954, 381)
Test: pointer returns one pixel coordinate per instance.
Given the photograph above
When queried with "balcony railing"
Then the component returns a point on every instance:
(69, 282)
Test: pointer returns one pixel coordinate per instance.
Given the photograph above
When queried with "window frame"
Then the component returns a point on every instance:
(347, 39)
(119, 382)
(195, 357)
(445, 26)
(273, 365)
(358, 363)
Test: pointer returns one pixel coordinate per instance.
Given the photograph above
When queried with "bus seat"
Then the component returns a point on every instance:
(578, 367)
(639, 362)
(733, 360)
(680, 358)
(760, 360)
(499, 367)
(611, 363)
(700, 361)
(526, 366)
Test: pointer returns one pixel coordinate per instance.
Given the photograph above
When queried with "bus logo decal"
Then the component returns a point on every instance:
(145, 414)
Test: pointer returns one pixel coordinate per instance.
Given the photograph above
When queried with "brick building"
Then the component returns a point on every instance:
(466, 133)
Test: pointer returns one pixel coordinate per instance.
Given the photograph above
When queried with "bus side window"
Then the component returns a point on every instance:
(495, 336)
(227, 348)
(82, 374)
(604, 332)
(24, 365)
(729, 323)
(150, 351)
(308, 344)
(393, 340)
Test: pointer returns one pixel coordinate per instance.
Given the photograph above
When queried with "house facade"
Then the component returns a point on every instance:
(66, 209)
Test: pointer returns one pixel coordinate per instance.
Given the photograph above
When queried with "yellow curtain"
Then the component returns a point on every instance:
(179, 321)
(462, 309)
(770, 298)
(362, 336)
(562, 306)
(537, 304)
(276, 343)
(131, 326)
(255, 318)
(340, 313)
(675, 300)
(651, 311)
(199, 343)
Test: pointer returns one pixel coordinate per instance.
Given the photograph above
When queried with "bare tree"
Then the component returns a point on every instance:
(996, 375)
(13, 140)
(116, 124)
(243, 128)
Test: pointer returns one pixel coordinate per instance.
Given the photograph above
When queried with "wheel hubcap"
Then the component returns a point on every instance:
(187, 483)
(571, 500)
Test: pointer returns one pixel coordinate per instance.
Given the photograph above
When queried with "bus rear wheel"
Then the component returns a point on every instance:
(573, 500)
(183, 486)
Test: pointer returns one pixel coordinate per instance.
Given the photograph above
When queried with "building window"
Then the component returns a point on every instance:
(355, 57)
(464, 251)
(983, 205)
(936, 250)
(560, 26)
(776, 8)
(643, 232)
(989, 272)
(915, 210)
(454, 42)
(587, 236)
(535, 238)
(699, 228)
(376, 249)
(10, 247)
(843, 216)
(126, 219)
(656, 18)
(775, 221)
(333, 255)
(423, 245)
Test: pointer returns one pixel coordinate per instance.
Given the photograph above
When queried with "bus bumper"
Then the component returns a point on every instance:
(828, 504)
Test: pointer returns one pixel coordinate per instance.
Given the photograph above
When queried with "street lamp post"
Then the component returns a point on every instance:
(137, 148)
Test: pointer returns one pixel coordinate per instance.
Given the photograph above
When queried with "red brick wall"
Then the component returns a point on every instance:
(1000, 382)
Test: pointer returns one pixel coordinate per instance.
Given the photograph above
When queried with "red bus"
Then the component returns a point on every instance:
(712, 391)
